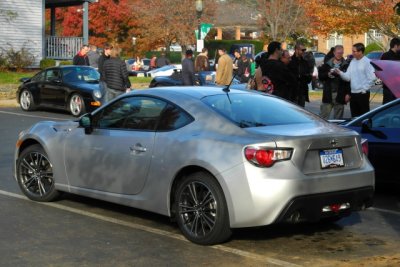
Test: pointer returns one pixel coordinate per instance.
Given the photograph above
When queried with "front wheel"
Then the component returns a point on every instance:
(201, 210)
(76, 105)
(26, 100)
(35, 174)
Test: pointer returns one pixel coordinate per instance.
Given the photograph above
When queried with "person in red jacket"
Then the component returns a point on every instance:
(81, 58)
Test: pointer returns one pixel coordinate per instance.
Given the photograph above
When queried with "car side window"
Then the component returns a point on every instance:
(131, 113)
(52, 75)
(39, 77)
(173, 118)
(389, 118)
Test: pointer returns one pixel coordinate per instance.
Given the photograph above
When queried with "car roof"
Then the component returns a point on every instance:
(197, 92)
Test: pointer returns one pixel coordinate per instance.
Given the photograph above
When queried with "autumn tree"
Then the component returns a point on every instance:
(352, 16)
(279, 19)
(162, 22)
(109, 21)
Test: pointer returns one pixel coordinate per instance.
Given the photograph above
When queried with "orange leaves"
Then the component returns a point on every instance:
(350, 16)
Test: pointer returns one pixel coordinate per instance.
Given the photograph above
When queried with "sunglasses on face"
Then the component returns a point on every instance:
(304, 49)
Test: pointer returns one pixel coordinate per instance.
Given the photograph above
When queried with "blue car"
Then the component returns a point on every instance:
(381, 127)
(204, 78)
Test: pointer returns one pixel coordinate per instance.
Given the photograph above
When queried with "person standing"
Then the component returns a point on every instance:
(201, 62)
(336, 92)
(188, 77)
(107, 48)
(153, 62)
(81, 58)
(280, 76)
(115, 76)
(361, 76)
(93, 57)
(224, 69)
(299, 67)
(236, 61)
(243, 70)
(392, 54)
(285, 58)
(162, 60)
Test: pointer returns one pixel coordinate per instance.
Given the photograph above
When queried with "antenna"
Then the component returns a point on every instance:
(226, 89)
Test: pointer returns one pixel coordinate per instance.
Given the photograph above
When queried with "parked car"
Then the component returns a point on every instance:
(381, 127)
(203, 78)
(374, 55)
(72, 88)
(142, 72)
(166, 70)
(319, 58)
(211, 158)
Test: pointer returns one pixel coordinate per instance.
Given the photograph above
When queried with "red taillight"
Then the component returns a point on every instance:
(364, 146)
(266, 157)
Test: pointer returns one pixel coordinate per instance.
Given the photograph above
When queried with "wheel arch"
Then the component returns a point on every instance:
(180, 176)
(27, 143)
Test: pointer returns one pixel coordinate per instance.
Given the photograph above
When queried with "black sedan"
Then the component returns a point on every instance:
(72, 88)
(381, 127)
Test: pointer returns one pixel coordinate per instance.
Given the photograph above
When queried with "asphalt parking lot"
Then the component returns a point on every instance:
(81, 231)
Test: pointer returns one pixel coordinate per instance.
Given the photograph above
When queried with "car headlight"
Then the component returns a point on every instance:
(97, 93)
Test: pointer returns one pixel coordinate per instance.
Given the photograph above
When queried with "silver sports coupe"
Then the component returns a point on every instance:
(210, 158)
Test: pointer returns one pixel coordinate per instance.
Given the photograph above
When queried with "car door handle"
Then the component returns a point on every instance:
(138, 148)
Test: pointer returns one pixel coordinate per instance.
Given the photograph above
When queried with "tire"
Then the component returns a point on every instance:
(201, 210)
(26, 100)
(35, 175)
(76, 105)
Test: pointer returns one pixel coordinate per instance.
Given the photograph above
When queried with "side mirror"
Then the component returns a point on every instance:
(24, 80)
(366, 126)
(86, 122)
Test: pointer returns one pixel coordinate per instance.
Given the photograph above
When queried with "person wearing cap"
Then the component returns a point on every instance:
(224, 69)
(188, 76)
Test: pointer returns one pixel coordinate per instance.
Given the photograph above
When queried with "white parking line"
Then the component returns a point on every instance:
(385, 211)
(32, 116)
(239, 252)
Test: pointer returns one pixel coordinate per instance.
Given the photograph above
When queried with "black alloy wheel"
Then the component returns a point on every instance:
(35, 174)
(201, 210)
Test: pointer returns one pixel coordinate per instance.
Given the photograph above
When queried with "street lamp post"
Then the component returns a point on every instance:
(199, 10)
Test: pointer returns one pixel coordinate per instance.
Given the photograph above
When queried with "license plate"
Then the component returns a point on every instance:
(140, 74)
(331, 158)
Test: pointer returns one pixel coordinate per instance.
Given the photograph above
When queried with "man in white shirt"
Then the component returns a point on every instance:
(361, 76)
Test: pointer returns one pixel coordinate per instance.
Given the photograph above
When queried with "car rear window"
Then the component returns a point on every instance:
(257, 110)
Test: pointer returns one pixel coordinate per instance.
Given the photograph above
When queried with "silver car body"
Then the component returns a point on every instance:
(138, 168)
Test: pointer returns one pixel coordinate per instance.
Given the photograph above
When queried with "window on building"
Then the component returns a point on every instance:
(334, 39)
(373, 36)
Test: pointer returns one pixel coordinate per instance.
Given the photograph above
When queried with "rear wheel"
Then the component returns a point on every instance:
(201, 210)
(35, 174)
(26, 100)
(76, 105)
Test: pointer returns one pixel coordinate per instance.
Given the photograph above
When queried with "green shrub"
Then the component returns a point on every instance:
(174, 57)
(373, 47)
(47, 63)
(17, 59)
(213, 45)
(65, 62)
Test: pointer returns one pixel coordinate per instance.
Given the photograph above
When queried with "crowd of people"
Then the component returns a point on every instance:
(276, 72)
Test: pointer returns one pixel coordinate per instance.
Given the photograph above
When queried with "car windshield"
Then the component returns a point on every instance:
(256, 110)
(81, 74)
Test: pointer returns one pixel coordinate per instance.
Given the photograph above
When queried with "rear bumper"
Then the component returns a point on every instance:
(311, 207)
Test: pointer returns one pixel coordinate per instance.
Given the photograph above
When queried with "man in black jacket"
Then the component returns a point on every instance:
(336, 92)
(299, 67)
(280, 76)
(115, 76)
(188, 77)
(392, 54)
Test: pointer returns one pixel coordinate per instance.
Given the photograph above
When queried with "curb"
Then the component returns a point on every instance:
(9, 103)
